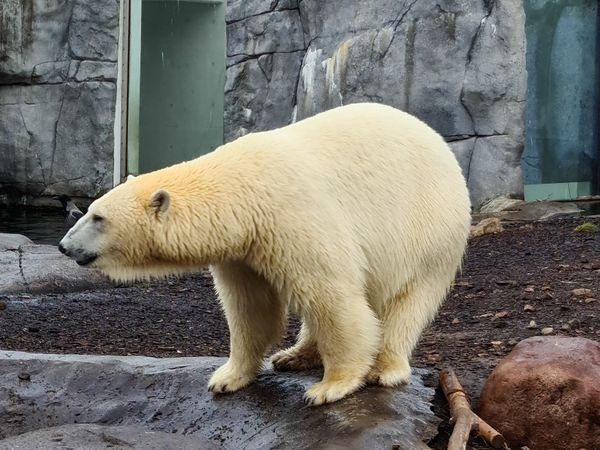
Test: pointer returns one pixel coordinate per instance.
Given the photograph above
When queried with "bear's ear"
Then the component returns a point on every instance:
(160, 201)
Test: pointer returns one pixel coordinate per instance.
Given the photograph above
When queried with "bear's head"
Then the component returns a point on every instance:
(122, 233)
(172, 221)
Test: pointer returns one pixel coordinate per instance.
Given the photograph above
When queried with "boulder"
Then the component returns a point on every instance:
(169, 395)
(508, 209)
(31, 268)
(545, 395)
(10, 241)
(103, 437)
(500, 204)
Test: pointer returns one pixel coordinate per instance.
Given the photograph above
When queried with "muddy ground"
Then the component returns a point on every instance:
(527, 273)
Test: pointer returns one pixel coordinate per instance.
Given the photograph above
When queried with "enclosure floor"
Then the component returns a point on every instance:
(537, 264)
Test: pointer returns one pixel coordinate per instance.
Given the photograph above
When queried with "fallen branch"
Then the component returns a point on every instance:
(464, 419)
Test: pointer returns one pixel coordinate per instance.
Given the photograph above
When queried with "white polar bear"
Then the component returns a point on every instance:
(355, 219)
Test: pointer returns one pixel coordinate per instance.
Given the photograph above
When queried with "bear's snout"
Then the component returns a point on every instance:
(81, 257)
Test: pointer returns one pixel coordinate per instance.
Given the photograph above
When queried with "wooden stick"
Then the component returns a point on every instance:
(464, 419)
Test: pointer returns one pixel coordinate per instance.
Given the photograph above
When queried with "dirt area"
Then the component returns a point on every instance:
(527, 273)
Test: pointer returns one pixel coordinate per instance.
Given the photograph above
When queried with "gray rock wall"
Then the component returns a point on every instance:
(58, 70)
(457, 64)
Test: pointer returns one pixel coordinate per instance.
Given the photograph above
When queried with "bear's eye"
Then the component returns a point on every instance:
(97, 219)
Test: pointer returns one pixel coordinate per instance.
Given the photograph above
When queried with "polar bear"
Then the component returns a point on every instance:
(355, 219)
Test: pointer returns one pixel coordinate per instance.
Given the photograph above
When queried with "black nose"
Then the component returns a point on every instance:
(62, 249)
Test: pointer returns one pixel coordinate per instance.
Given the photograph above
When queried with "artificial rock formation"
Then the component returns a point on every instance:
(58, 71)
(29, 268)
(458, 65)
(545, 394)
(168, 396)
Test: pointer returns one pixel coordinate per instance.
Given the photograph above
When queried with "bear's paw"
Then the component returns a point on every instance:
(294, 359)
(331, 391)
(228, 378)
(389, 374)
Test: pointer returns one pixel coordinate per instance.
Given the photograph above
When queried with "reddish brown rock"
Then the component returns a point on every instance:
(546, 394)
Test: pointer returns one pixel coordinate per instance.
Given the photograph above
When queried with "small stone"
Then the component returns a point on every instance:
(582, 293)
(528, 308)
(496, 343)
(546, 288)
(512, 342)
(565, 327)
(547, 330)
(529, 289)
(588, 266)
(433, 359)
(532, 325)
(2, 306)
(24, 376)
(589, 300)
(490, 225)
(574, 323)
(455, 321)
(501, 315)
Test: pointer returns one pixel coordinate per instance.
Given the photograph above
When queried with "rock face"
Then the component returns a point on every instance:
(458, 65)
(29, 268)
(170, 396)
(13, 241)
(58, 76)
(546, 394)
(98, 437)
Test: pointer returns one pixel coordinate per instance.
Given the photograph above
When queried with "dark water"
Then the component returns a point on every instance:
(589, 208)
(41, 225)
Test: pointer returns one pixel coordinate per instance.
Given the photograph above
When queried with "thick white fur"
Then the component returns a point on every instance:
(356, 219)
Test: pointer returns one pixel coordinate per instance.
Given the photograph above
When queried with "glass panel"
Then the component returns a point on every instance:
(561, 146)
(181, 82)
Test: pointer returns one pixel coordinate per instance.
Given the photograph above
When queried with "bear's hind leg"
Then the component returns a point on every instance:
(302, 356)
(404, 319)
(348, 336)
(256, 319)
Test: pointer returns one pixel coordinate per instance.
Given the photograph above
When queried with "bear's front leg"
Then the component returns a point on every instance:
(348, 337)
(256, 319)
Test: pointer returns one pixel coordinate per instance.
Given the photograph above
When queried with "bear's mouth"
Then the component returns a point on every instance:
(86, 260)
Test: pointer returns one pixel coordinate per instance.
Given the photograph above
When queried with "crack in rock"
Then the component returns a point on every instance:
(55, 140)
(397, 23)
(21, 271)
(490, 6)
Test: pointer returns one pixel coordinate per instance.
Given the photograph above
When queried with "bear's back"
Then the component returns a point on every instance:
(369, 173)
